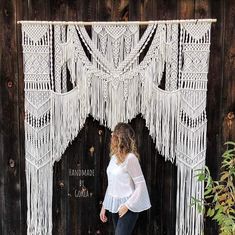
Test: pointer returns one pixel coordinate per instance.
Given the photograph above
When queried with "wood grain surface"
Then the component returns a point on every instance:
(80, 176)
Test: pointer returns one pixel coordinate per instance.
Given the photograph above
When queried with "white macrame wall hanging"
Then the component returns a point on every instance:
(114, 85)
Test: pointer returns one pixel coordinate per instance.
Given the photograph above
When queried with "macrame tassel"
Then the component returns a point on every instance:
(109, 102)
(188, 220)
(161, 113)
(39, 199)
(67, 117)
(132, 97)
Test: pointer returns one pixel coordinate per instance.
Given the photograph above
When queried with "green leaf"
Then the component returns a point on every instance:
(207, 191)
(201, 177)
(210, 212)
(229, 143)
(224, 176)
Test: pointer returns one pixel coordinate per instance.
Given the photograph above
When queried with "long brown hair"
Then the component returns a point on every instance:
(123, 141)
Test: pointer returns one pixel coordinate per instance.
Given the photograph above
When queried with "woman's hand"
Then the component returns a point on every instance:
(103, 217)
(122, 211)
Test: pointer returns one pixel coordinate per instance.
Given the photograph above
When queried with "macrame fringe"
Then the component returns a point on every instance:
(68, 116)
(39, 199)
(189, 221)
(117, 106)
(161, 112)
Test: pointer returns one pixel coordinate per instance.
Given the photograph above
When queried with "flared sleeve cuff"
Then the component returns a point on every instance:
(105, 201)
(139, 200)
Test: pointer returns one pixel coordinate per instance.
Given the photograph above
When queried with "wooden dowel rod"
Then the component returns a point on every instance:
(115, 22)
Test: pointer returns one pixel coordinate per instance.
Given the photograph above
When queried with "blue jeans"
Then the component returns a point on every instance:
(125, 224)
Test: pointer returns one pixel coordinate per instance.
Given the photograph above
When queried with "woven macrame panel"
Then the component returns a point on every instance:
(37, 42)
(111, 83)
(192, 126)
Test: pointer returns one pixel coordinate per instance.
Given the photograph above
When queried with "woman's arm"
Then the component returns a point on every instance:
(105, 198)
(103, 217)
(139, 200)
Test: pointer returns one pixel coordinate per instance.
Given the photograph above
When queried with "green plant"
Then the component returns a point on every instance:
(219, 196)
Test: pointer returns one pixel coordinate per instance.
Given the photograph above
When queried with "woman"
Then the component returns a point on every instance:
(126, 194)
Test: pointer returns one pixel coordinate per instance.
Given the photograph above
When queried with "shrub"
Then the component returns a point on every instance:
(219, 196)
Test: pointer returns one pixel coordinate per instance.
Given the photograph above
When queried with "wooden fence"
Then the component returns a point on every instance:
(76, 212)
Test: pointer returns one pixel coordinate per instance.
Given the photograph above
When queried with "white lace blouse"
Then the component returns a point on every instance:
(126, 185)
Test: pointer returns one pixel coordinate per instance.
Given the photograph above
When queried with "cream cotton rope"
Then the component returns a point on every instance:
(114, 85)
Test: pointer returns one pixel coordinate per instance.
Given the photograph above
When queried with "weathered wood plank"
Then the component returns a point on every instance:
(103, 10)
(10, 189)
(229, 121)
(185, 9)
(68, 209)
(87, 10)
(202, 9)
(60, 192)
(228, 91)
(59, 10)
(21, 13)
(164, 10)
(146, 10)
(134, 7)
(215, 76)
(38, 10)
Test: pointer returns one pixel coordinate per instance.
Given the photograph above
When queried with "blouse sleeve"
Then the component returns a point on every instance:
(106, 196)
(139, 200)
(105, 201)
